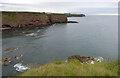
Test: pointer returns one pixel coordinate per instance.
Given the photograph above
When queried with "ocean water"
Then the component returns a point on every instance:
(92, 36)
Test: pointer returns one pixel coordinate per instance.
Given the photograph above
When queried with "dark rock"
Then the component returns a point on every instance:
(72, 22)
(5, 27)
(82, 59)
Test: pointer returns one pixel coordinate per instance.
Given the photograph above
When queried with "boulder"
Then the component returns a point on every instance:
(18, 56)
(10, 49)
(6, 61)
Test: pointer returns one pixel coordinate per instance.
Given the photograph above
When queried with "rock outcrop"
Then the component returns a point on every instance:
(10, 49)
(82, 59)
(18, 56)
(6, 61)
(30, 19)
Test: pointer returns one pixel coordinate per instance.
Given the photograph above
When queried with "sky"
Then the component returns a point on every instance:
(62, 6)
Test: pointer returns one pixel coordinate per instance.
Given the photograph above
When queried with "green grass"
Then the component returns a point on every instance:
(74, 68)
(21, 12)
(36, 12)
(13, 17)
(10, 16)
(58, 14)
(30, 12)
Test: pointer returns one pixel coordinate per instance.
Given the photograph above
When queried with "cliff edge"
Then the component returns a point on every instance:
(30, 19)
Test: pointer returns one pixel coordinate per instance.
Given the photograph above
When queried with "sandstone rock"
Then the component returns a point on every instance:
(18, 56)
(6, 61)
(82, 59)
(10, 49)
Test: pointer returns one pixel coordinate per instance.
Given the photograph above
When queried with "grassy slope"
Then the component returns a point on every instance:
(10, 16)
(13, 17)
(75, 68)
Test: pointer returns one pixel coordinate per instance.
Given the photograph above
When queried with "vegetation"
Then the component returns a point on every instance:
(31, 12)
(37, 12)
(10, 16)
(58, 14)
(21, 12)
(75, 68)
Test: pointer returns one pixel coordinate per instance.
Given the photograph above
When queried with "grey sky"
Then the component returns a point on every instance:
(73, 6)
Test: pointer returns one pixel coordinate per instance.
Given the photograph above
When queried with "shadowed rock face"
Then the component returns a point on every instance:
(72, 22)
(22, 20)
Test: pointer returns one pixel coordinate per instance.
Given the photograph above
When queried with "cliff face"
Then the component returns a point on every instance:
(20, 19)
(58, 18)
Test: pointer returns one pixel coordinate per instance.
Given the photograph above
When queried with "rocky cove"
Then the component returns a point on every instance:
(34, 19)
(31, 45)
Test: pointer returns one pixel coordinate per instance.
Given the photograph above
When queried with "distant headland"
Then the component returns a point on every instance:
(12, 19)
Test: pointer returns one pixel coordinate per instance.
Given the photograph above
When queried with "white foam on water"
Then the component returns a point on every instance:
(99, 59)
(31, 34)
(20, 68)
(38, 30)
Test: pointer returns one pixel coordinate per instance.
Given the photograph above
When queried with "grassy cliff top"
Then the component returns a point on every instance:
(31, 12)
(38, 12)
(74, 68)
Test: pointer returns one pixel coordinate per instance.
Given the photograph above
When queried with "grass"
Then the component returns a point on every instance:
(21, 12)
(36, 12)
(74, 68)
(13, 17)
(30, 12)
(10, 16)
(58, 14)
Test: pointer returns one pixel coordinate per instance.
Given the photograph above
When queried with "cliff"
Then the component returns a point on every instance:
(30, 19)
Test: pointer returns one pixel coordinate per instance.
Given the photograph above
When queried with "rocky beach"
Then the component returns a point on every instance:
(31, 38)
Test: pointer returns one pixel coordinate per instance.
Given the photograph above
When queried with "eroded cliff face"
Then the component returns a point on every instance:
(58, 18)
(20, 19)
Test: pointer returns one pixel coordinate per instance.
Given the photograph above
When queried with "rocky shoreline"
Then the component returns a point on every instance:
(81, 59)
(33, 19)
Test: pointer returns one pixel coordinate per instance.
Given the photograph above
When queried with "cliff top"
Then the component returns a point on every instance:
(32, 12)
(39, 12)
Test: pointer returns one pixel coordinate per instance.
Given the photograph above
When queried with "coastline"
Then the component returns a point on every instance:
(33, 19)
(61, 68)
